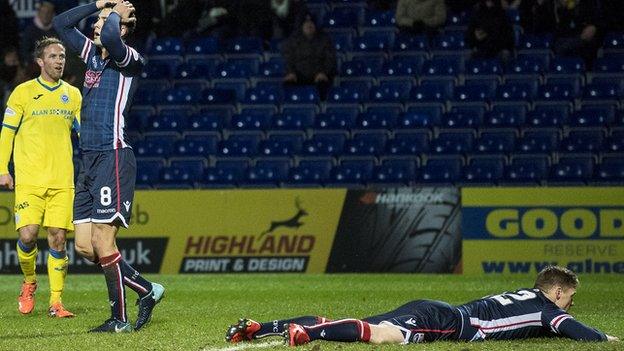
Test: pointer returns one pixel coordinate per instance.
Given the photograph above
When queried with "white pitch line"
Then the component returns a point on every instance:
(263, 345)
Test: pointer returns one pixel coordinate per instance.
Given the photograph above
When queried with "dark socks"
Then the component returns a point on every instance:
(276, 327)
(134, 280)
(114, 282)
(345, 330)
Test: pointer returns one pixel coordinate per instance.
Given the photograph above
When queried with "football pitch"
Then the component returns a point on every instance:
(198, 308)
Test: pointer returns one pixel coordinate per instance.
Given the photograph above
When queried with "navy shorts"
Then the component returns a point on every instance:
(423, 321)
(105, 187)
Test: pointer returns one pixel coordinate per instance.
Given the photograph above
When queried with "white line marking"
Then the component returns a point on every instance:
(263, 345)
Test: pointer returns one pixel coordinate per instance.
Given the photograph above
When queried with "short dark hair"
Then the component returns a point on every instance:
(43, 43)
(554, 275)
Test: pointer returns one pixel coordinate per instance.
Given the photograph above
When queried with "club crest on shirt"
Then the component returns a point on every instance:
(9, 112)
(94, 61)
(64, 98)
(92, 79)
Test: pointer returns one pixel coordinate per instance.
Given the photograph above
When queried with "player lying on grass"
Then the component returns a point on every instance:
(524, 313)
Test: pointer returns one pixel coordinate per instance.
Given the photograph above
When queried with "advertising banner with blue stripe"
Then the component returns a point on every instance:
(521, 230)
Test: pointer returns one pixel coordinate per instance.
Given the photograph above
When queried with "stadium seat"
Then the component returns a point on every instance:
(567, 65)
(375, 120)
(462, 118)
(484, 67)
(441, 170)
(410, 43)
(225, 173)
(166, 46)
(347, 95)
(293, 120)
(281, 144)
(611, 169)
(272, 69)
(352, 172)
(556, 92)
(335, 120)
(615, 142)
(343, 39)
(324, 144)
(378, 40)
(203, 46)
(239, 86)
(301, 95)
(379, 19)
(154, 147)
(573, 168)
(169, 121)
(546, 115)
(244, 45)
(342, 17)
(197, 144)
(452, 41)
(311, 172)
(199, 70)
(268, 172)
(527, 169)
(532, 42)
(583, 141)
(391, 91)
(408, 143)
(238, 68)
(251, 121)
(475, 92)
(441, 66)
(602, 91)
(452, 143)
(361, 68)
(484, 170)
(438, 90)
(524, 90)
(399, 171)
(421, 116)
(206, 122)
(499, 142)
(366, 144)
(538, 141)
(240, 145)
(148, 171)
(218, 96)
(597, 115)
(506, 115)
(526, 65)
(264, 95)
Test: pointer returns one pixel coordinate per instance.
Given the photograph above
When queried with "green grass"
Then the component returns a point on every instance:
(198, 308)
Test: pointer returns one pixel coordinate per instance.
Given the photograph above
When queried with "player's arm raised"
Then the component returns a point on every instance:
(111, 31)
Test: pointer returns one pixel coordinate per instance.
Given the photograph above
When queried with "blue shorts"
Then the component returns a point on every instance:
(423, 321)
(105, 187)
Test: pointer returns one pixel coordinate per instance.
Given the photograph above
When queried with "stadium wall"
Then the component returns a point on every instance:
(417, 230)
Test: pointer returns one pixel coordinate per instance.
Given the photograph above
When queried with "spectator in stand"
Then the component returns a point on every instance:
(489, 32)
(577, 32)
(11, 73)
(420, 16)
(41, 27)
(285, 14)
(537, 16)
(9, 35)
(310, 56)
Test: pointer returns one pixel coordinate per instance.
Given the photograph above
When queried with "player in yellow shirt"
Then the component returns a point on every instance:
(37, 125)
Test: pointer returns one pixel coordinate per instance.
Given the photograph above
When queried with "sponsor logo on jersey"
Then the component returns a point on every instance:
(9, 112)
(127, 205)
(37, 97)
(64, 98)
(411, 322)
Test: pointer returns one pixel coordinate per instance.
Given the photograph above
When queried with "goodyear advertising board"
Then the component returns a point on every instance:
(212, 232)
(521, 230)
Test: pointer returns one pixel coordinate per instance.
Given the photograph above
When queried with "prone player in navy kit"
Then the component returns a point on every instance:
(521, 314)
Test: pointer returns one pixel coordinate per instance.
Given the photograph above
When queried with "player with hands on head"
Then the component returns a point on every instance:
(105, 185)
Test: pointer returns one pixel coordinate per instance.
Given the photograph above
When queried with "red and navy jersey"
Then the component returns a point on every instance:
(522, 314)
(109, 82)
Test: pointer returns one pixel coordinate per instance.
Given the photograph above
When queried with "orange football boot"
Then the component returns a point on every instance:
(26, 299)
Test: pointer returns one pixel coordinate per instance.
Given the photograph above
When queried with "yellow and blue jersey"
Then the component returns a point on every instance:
(37, 126)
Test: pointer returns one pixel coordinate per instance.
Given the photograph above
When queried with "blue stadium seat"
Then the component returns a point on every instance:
(362, 84)
(281, 144)
(343, 39)
(352, 171)
(361, 68)
(301, 95)
(462, 118)
(403, 66)
(452, 143)
(334, 120)
(268, 173)
(409, 43)
(532, 42)
(264, 95)
(517, 91)
(442, 170)
(408, 143)
(391, 91)
(251, 121)
(421, 117)
(609, 65)
(526, 65)
(342, 17)
(506, 115)
(148, 95)
(225, 173)
(614, 41)
(206, 122)
(441, 66)
(379, 19)
(293, 120)
(575, 168)
(181, 96)
(611, 169)
(374, 120)
(199, 70)
(154, 147)
(157, 70)
(350, 110)
(548, 115)
(457, 19)
(310, 172)
(379, 40)
(166, 46)
(602, 91)
(556, 92)
(615, 142)
(499, 142)
(272, 69)
(596, 115)
(538, 141)
(567, 65)
(239, 86)
(203, 46)
(527, 169)
(366, 144)
(579, 141)
(452, 41)
(484, 67)
(347, 95)
(218, 96)
(484, 170)
(391, 110)
(395, 171)
(148, 171)
(169, 121)
(183, 173)
(324, 144)
(197, 144)
(438, 90)
(240, 145)
(244, 45)
(474, 92)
